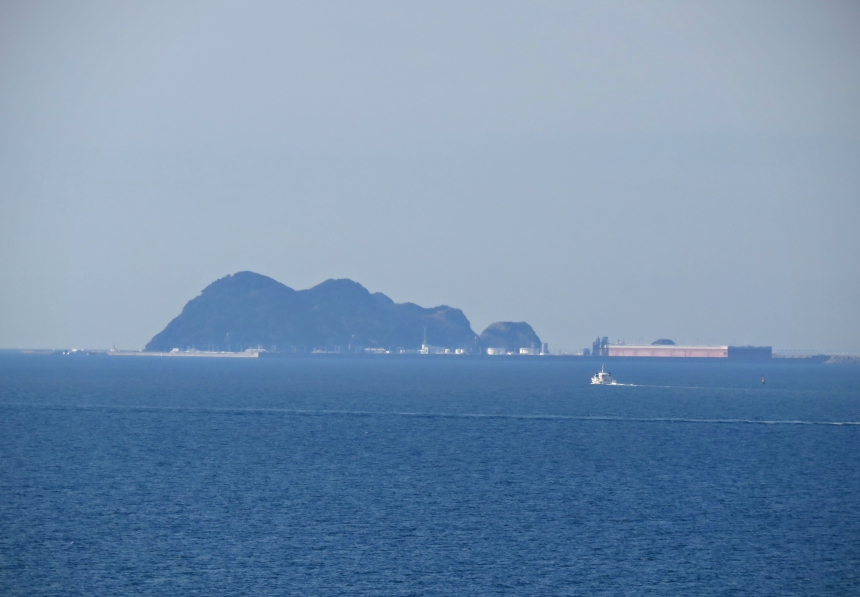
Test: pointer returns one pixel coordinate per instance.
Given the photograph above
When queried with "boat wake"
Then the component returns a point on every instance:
(363, 413)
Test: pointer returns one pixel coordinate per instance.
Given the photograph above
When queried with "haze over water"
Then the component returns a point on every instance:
(638, 170)
(424, 475)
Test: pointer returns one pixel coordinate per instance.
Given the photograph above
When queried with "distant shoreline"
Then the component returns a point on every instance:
(253, 353)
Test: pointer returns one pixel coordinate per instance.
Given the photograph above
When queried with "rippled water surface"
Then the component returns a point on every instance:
(426, 476)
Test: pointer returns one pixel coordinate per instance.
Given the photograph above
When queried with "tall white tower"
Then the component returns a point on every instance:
(425, 348)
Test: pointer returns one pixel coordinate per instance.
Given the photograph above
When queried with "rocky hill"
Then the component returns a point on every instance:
(248, 310)
(509, 335)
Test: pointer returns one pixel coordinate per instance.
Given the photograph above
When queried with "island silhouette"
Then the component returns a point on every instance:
(250, 310)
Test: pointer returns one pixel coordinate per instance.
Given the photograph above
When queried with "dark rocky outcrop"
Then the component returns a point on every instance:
(509, 335)
(249, 310)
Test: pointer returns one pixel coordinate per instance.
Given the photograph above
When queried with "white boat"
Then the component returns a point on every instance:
(603, 378)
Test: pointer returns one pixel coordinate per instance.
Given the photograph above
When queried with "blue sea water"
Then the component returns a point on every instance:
(426, 476)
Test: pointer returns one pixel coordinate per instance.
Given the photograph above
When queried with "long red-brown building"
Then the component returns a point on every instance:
(675, 351)
(662, 350)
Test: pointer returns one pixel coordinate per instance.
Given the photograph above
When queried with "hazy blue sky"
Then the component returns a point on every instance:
(637, 170)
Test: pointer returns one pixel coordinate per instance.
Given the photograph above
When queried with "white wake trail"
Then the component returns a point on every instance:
(360, 413)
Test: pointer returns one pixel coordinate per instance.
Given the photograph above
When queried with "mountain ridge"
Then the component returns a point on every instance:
(247, 309)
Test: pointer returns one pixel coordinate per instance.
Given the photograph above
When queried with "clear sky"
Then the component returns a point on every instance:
(637, 170)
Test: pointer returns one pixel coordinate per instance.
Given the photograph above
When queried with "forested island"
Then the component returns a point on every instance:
(249, 310)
